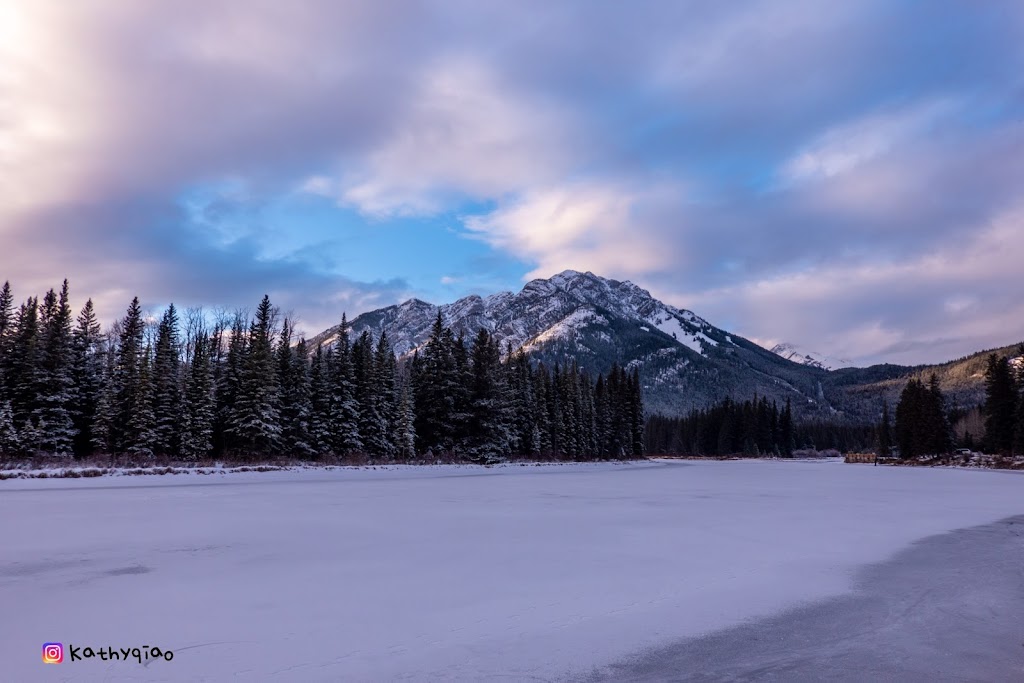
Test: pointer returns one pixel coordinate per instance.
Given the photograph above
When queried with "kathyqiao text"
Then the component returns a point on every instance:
(53, 653)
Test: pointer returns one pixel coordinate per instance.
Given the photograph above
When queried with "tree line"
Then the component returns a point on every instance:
(244, 387)
(922, 423)
(749, 428)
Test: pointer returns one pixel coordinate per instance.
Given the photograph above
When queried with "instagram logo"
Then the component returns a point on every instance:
(53, 653)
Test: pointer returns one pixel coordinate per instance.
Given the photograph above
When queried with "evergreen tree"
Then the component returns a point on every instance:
(490, 428)
(167, 386)
(131, 395)
(1000, 405)
(1018, 429)
(344, 421)
(321, 436)
(385, 375)
(435, 393)
(229, 388)
(885, 433)
(368, 391)
(405, 428)
(786, 432)
(140, 433)
(296, 403)
(22, 366)
(87, 374)
(200, 403)
(257, 426)
(103, 427)
(6, 336)
(10, 440)
(939, 433)
(55, 397)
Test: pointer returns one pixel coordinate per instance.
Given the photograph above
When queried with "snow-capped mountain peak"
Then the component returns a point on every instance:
(579, 317)
(810, 358)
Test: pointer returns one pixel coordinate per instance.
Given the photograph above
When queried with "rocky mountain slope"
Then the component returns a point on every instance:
(684, 361)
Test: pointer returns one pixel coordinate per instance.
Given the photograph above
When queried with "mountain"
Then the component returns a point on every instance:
(812, 358)
(684, 361)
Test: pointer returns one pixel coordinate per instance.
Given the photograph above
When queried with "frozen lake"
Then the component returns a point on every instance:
(458, 573)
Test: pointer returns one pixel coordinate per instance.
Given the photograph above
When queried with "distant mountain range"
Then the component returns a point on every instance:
(684, 361)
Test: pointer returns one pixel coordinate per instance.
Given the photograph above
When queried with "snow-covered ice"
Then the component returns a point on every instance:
(450, 573)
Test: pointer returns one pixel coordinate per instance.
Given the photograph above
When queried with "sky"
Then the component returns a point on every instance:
(844, 176)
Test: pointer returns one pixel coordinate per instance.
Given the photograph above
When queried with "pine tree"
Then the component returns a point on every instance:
(87, 374)
(939, 434)
(167, 387)
(200, 403)
(885, 433)
(55, 385)
(385, 377)
(140, 434)
(405, 428)
(366, 380)
(636, 414)
(490, 432)
(434, 386)
(10, 440)
(23, 368)
(786, 431)
(6, 336)
(257, 427)
(130, 394)
(344, 421)
(320, 432)
(1000, 405)
(296, 405)
(1018, 422)
(229, 387)
(103, 427)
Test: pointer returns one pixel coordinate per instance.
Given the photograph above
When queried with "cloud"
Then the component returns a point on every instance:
(796, 169)
(847, 146)
(605, 227)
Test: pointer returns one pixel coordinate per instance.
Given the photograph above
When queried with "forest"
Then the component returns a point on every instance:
(243, 388)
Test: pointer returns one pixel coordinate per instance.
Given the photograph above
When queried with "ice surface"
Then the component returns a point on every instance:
(451, 573)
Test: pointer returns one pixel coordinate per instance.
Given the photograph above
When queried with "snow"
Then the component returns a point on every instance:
(674, 328)
(568, 326)
(445, 573)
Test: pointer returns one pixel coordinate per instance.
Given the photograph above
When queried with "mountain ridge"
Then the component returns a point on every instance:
(684, 361)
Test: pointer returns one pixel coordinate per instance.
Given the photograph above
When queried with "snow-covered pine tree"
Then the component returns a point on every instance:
(405, 424)
(130, 395)
(167, 386)
(229, 387)
(10, 440)
(294, 387)
(140, 432)
(541, 412)
(200, 404)
(22, 365)
(372, 428)
(6, 335)
(385, 370)
(257, 428)
(320, 433)
(55, 395)
(87, 375)
(490, 424)
(636, 414)
(345, 436)
(103, 431)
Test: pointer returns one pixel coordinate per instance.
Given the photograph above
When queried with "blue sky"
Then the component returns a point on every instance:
(846, 176)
